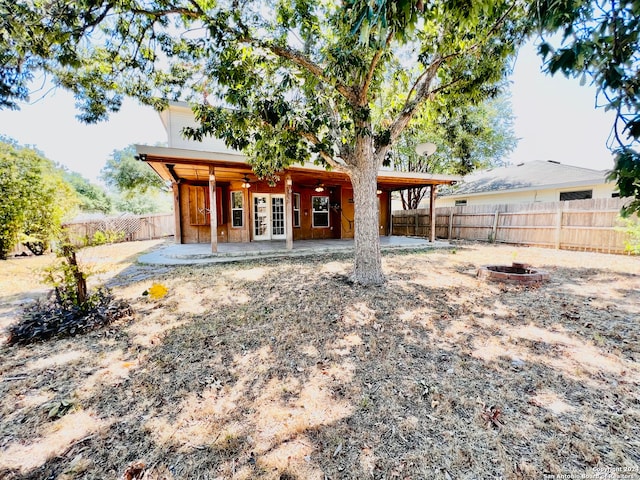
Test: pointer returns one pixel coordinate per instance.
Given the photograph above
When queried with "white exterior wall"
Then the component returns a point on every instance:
(525, 196)
(175, 118)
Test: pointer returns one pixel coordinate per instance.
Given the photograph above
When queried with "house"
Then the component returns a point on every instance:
(218, 199)
(537, 181)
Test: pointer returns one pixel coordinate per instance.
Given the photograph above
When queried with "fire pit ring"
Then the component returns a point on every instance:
(520, 273)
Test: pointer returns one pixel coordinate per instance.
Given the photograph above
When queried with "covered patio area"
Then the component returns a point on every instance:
(189, 254)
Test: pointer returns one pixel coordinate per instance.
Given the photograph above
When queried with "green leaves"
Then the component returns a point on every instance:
(602, 41)
(59, 409)
(128, 175)
(35, 198)
(292, 79)
(626, 174)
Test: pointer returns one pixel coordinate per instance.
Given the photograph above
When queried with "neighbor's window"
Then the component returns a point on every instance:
(320, 207)
(577, 195)
(296, 209)
(461, 203)
(237, 209)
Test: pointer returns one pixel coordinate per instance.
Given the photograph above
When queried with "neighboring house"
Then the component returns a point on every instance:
(308, 202)
(537, 181)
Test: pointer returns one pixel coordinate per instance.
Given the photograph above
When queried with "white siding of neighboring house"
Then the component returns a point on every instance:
(523, 196)
(175, 118)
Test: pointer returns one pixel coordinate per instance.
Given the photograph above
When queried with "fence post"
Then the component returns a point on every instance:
(450, 224)
(494, 229)
(558, 225)
(416, 219)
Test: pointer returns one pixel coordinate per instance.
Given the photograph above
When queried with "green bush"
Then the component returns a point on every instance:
(34, 196)
(107, 236)
(631, 227)
(99, 238)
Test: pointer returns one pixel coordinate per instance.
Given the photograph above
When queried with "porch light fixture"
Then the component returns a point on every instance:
(245, 182)
(378, 192)
(319, 188)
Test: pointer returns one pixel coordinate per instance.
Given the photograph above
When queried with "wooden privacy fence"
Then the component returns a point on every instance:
(570, 225)
(124, 227)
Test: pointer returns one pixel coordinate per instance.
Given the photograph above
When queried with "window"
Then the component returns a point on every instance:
(461, 203)
(615, 195)
(296, 209)
(237, 209)
(320, 207)
(577, 195)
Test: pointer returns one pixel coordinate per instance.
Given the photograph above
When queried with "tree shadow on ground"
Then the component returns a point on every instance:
(282, 369)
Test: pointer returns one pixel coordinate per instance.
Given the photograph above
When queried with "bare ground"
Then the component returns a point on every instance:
(283, 370)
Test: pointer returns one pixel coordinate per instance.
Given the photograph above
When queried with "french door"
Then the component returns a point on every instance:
(268, 217)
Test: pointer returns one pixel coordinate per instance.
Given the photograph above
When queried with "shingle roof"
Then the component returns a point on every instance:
(536, 174)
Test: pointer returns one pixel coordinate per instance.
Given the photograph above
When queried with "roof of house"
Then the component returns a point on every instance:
(175, 164)
(535, 175)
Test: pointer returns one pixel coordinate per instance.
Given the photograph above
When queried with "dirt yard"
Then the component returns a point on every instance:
(283, 370)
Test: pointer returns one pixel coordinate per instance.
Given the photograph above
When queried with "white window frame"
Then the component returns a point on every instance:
(234, 209)
(296, 209)
(314, 211)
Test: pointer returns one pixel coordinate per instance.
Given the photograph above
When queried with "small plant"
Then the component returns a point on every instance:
(66, 278)
(71, 309)
(99, 238)
(631, 227)
(107, 236)
(365, 403)
(59, 409)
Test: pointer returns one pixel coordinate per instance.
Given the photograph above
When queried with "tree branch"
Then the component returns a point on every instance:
(339, 164)
(305, 62)
(362, 98)
(421, 87)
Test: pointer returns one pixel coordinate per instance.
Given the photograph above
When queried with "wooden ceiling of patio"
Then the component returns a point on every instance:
(193, 170)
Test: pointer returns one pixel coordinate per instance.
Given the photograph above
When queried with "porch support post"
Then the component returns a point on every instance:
(213, 209)
(288, 210)
(177, 212)
(390, 222)
(432, 213)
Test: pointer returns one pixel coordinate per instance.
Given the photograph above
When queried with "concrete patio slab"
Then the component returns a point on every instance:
(200, 253)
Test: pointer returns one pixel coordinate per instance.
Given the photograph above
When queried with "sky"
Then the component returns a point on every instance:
(555, 120)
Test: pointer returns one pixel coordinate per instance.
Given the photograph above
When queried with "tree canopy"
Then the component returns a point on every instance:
(135, 186)
(128, 175)
(600, 44)
(92, 197)
(283, 81)
(34, 198)
(467, 137)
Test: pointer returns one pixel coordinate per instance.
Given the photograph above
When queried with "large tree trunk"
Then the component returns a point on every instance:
(367, 268)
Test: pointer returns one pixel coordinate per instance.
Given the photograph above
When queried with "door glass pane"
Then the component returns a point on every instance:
(277, 215)
(261, 216)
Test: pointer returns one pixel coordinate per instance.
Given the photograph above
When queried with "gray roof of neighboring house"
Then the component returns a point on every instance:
(527, 176)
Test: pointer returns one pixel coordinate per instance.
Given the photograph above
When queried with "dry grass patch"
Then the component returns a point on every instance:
(283, 370)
